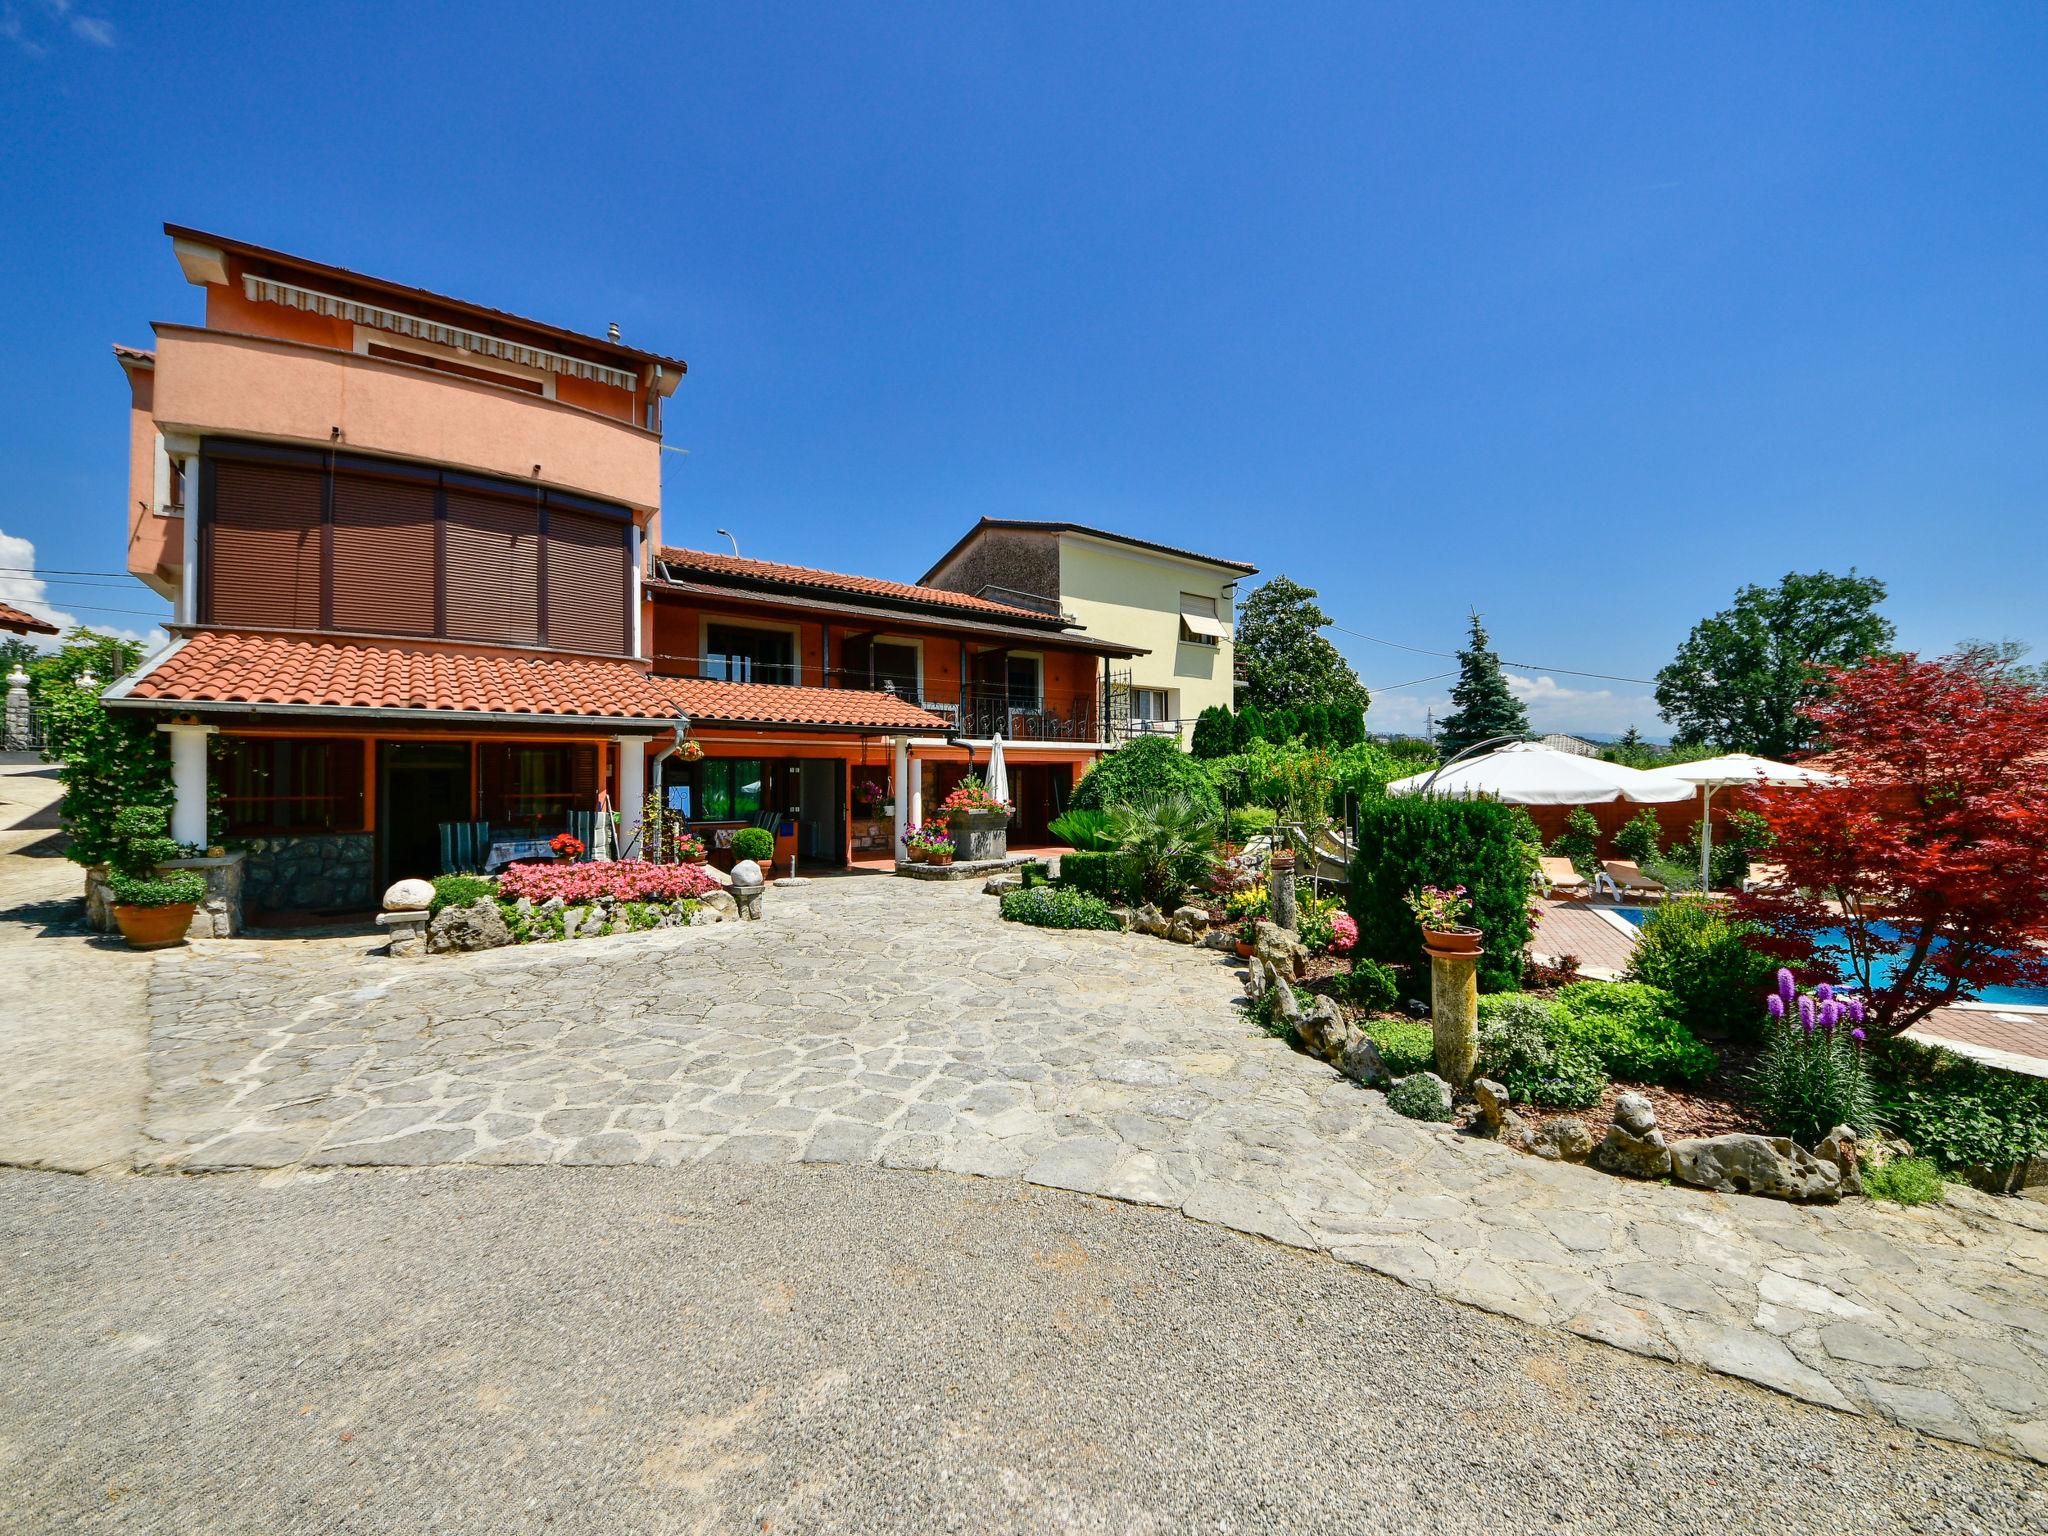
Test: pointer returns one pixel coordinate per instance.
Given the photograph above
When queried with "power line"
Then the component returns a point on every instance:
(36, 570)
(1533, 666)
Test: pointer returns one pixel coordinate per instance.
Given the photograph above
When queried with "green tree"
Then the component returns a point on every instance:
(1486, 707)
(1213, 733)
(1286, 658)
(1744, 679)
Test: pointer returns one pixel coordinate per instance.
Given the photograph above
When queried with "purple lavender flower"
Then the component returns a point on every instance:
(1856, 1035)
(1855, 1007)
(1824, 993)
(1788, 986)
(1774, 1005)
(1830, 1014)
(1806, 1013)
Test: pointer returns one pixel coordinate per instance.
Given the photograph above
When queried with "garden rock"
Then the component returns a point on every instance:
(1280, 949)
(1195, 917)
(1635, 1114)
(1002, 885)
(480, 925)
(1844, 1149)
(1323, 1031)
(1561, 1141)
(1149, 919)
(1773, 1166)
(573, 921)
(1638, 1157)
(1361, 1062)
(409, 896)
(746, 872)
(1126, 919)
(552, 905)
(1493, 1102)
(720, 902)
(1219, 939)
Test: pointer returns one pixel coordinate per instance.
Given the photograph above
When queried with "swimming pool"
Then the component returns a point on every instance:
(1836, 940)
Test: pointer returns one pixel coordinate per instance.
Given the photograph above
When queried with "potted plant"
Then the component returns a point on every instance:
(1442, 915)
(153, 911)
(913, 845)
(978, 821)
(938, 845)
(691, 850)
(568, 847)
(690, 752)
(1247, 931)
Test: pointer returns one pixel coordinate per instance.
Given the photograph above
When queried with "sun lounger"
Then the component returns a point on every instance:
(1621, 877)
(1767, 877)
(1557, 877)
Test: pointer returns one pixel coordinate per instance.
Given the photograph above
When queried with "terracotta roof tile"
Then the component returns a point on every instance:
(705, 562)
(134, 354)
(12, 618)
(765, 703)
(226, 667)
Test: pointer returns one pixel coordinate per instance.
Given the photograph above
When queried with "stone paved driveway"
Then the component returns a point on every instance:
(874, 1020)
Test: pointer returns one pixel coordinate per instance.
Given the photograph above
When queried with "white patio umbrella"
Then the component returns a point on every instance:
(1734, 768)
(998, 771)
(1525, 773)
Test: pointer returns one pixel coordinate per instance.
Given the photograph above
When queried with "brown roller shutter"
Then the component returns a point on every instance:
(493, 578)
(586, 582)
(263, 545)
(383, 555)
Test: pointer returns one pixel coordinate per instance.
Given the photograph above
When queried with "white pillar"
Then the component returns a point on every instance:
(188, 576)
(901, 787)
(188, 779)
(913, 808)
(632, 789)
(15, 737)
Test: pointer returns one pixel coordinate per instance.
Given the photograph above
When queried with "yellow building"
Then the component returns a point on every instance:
(1175, 606)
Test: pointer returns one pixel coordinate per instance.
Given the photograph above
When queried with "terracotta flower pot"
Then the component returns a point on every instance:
(701, 856)
(154, 927)
(1244, 950)
(918, 855)
(940, 858)
(1452, 941)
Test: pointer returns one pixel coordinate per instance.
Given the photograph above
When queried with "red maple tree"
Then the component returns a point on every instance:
(1931, 850)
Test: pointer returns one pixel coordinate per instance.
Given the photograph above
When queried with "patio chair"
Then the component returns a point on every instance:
(583, 827)
(1622, 877)
(1558, 877)
(464, 845)
(1767, 877)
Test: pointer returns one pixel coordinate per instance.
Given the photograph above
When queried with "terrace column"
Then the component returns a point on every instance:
(188, 779)
(632, 792)
(902, 797)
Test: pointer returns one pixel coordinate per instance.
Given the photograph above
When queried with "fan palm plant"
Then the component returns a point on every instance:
(1172, 841)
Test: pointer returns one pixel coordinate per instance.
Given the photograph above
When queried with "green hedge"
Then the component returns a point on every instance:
(1112, 876)
(1407, 843)
(1048, 906)
(1145, 772)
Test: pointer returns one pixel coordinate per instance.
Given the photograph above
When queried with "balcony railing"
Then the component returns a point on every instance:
(984, 710)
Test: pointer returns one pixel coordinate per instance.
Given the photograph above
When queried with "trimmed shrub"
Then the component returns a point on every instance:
(1695, 951)
(756, 843)
(178, 888)
(1404, 1044)
(1111, 876)
(1522, 1043)
(1407, 843)
(1146, 772)
(1245, 822)
(1634, 1031)
(1214, 733)
(460, 891)
(1641, 838)
(1050, 906)
(1579, 841)
(1905, 1181)
(1370, 985)
(1419, 1099)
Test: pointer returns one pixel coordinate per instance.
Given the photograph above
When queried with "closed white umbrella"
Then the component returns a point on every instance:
(1528, 774)
(998, 771)
(1734, 768)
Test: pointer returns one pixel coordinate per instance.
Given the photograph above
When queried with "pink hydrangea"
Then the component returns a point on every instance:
(1343, 933)
(623, 880)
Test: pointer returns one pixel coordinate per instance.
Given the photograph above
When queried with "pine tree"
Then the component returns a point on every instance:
(1485, 706)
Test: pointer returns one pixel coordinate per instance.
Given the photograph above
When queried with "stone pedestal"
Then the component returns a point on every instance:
(14, 734)
(980, 837)
(1454, 1015)
(1280, 886)
(219, 916)
(408, 932)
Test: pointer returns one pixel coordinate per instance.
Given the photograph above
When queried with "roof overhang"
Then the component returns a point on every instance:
(1237, 570)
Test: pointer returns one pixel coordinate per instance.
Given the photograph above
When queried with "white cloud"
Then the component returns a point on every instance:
(32, 593)
(1552, 706)
(94, 30)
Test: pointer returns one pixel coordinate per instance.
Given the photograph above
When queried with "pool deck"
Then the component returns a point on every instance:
(2014, 1038)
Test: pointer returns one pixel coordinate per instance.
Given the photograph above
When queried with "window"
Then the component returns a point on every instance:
(736, 655)
(1151, 704)
(1199, 624)
(896, 667)
(1020, 675)
(272, 784)
(727, 789)
(533, 786)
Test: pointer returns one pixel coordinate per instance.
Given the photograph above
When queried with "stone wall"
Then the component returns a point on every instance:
(315, 872)
(1017, 560)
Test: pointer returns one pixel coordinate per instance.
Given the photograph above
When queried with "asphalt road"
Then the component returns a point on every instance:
(839, 1349)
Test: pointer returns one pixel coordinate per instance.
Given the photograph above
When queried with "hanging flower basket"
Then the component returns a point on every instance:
(690, 752)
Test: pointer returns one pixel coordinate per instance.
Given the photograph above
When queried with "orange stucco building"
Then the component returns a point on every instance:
(415, 553)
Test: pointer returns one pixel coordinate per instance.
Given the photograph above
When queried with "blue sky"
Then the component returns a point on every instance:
(1581, 315)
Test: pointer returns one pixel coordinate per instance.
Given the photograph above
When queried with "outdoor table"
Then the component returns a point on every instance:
(517, 850)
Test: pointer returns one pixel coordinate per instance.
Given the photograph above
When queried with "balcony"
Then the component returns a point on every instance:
(981, 711)
(219, 383)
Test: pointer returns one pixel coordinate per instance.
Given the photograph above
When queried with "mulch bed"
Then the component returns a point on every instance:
(1714, 1106)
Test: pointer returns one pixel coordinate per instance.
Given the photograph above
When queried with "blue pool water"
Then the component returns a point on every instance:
(1834, 939)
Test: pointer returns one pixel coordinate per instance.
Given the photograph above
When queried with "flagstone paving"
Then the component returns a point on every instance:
(891, 1022)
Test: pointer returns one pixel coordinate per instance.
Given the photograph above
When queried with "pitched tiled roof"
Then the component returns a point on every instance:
(233, 669)
(1039, 525)
(12, 618)
(134, 354)
(705, 563)
(766, 704)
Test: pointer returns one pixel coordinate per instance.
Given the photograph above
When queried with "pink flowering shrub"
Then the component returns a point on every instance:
(625, 880)
(1343, 933)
